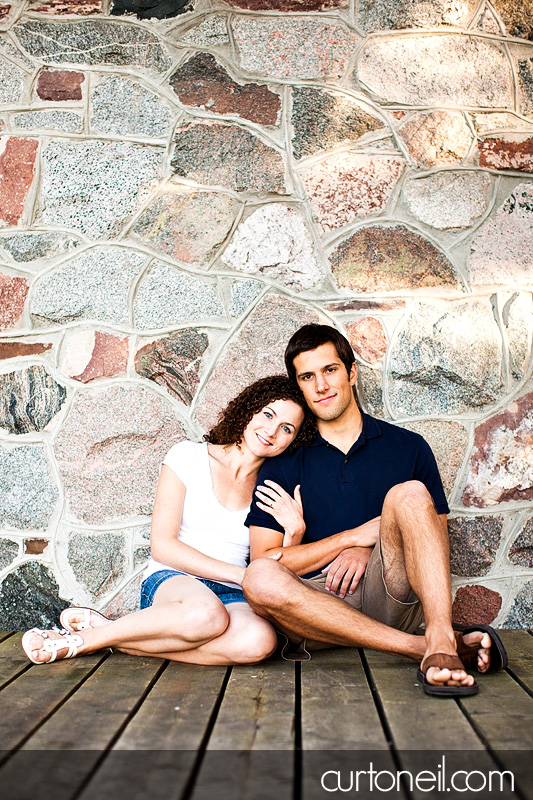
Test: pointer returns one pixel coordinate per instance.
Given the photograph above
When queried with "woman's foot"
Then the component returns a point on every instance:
(43, 647)
(79, 618)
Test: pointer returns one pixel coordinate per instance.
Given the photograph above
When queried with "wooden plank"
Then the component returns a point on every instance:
(13, 660)
(162, 739)
(250, 752)
(519, 646)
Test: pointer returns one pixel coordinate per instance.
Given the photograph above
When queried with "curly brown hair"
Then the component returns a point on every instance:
(238, 413)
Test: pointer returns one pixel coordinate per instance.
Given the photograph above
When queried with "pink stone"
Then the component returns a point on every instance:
(368, 338)
(15, 349)
(80, 7)
(501, 468)
(13, 293)
(126, 601)
(366, 305)
(109, 357)
(4, 11)
(504, 154)
(54, 84)
(17, 167)
(476, 604)
(350, 185)
(449, 441)
(436, 137)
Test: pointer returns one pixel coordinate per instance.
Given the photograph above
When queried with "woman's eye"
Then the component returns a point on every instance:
(285, 429)
(267, 414)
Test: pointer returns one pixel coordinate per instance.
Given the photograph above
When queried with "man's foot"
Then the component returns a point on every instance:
(43, 647)
(443, 674)
(480, 647)
(79, 618)
(480, 642)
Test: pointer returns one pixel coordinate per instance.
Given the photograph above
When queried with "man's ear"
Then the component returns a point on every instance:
(353, 374)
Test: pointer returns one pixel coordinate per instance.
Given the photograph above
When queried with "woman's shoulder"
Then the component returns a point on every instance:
(184, 452)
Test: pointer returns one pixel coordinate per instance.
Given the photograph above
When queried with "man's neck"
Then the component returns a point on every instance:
(344, 431)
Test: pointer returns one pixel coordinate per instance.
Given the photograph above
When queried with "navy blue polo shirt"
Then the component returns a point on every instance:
(341, 491)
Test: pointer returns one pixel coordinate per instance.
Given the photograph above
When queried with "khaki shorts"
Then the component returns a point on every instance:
(371, 598)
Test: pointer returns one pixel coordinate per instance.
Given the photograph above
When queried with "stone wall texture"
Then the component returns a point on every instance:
(183, 184)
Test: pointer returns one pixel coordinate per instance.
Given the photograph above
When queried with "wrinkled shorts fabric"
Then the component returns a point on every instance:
(226, 594)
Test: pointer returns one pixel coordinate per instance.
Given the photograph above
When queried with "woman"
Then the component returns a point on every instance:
(192, 606)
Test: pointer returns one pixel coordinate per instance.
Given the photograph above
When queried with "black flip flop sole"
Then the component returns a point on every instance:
(498, 654)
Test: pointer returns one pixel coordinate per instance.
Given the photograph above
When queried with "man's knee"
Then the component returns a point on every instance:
(411, 495)
(265, 582)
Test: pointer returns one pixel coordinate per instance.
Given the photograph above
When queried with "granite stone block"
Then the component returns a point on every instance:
(14, 349)
(370, 390)
(210, 32)
(28, 494)
(380, 258)
(525, 83)
(9, 550)
(368, 338)
(13, 293)
(521, 550)
(449, 442)
(30, 597)
(380, 15)
(476, 604)
(517, 17)
(242, 294)
(449, 199)
(17, 168)
(29, 399)
(174, 362)
(122, 106)
(504, 154)
(435, 138)
(167, 296)
(517, 317)
(521, 612)
(287, 5)
(67, 121)
(474, 542)
(57, 7)
(11, 82)
(88, 354)
(126, 601)
(30, 246)
(98, 560)
(150, 9)
(60, 84)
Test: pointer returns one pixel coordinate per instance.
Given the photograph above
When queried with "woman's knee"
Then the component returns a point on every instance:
(255, 643)
(200, 620)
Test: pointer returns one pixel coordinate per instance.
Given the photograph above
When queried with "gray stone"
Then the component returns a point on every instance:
(449, 442)
(380, 15)
(436, 137)
(167, 296)
(11, 82)
(94, 285)
(174, 362)
(93, 42)
(449, 199)
(474, 542)
(321, 120)
(294, 47)
(9, 550)
(369, 390)
(29, 399)
(49, 120)
(521, 612)
(226, 155)
(27, 247)
(416, 70)
(274, 242)
(525, 81)
(109, 450)
(521, 550)
(210, 32)
(27, 494)
(98, 560)
(126, 601)
(95, 186)
(29, 597)
(517, 316)
(122, 106)
(242, 294)
(501, 249)
(446, 360)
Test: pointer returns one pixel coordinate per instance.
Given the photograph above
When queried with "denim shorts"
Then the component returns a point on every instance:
(149, 586)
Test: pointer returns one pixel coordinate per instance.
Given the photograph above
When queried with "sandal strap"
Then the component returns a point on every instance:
(442, 661)
(53, 646)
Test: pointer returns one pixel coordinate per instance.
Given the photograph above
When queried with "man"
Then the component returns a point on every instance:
(374, 557)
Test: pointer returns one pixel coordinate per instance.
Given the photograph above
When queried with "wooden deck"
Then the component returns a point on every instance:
(110, 725)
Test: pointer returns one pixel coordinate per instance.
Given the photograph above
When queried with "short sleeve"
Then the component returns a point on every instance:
(272, 470)
(181, 458)
(427, 471)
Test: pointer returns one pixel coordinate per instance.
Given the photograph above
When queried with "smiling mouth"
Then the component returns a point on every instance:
(264, 441)
(325, 399)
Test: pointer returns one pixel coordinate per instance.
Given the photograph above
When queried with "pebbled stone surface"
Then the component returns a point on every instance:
(388, 259)
(476, 604)
(321, 120)
(109, 450)
(435, 138)
(30, 597)
(11, 82)
(255, 352)
(370, 391)
(228, 156)
(368, 338)
(521, 612)
(174, 362)
(126, 107)
(286, 5)
(242, 294)
(501, 467)
(98, 560)
(416, 70)
(126, 601)
(146, 9)
(449, 199)
(380, 15)
(488, 22)
(49, 120)
(501, 249)
(449, 442)
(28, 495)
(93, 42)
(293, 48)
(474, 542)
(350, 185)
(521, 550)
(9, 550)
(30, 246)
(506, 154)
(517, 317)
(29, 399)
(13, 293)
(203, 83)
(94, 285)
(88, 354)
(446, 360)
(94, 186)
(517, 17)
(366, 305)
(59, 85)
(188, 225)
(57, 7)
(525, 83)
(167, 296)
(275, 242)
(16, 349)
(17, 168)
(210, 32)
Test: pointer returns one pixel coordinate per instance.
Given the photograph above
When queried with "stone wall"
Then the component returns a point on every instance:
(182, 188)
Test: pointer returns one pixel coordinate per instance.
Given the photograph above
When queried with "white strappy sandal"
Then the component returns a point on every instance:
(85, 613)
(52, 646)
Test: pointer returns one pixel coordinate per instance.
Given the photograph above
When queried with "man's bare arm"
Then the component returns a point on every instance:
(304, 558)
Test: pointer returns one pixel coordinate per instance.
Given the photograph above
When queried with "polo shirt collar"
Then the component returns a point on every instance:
(370, 430)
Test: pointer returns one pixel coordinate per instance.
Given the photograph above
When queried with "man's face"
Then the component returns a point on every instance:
(323, 379)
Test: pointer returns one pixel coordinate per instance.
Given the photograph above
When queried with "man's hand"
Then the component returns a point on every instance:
(346, 570)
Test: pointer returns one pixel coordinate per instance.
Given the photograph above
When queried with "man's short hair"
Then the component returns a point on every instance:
(311, 336)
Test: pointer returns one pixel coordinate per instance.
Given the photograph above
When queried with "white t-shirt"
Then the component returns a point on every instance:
(205, 525)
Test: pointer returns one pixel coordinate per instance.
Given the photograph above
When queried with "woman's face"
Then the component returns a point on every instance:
(274, 428)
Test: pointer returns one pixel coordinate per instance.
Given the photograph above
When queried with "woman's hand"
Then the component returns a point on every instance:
(286, 510)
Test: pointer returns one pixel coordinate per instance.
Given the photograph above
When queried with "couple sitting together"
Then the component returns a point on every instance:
(301, 515)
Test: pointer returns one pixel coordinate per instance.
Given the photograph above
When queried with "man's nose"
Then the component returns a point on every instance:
(321, 384)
